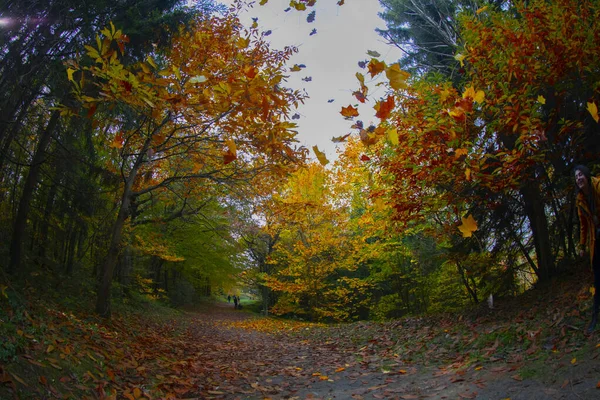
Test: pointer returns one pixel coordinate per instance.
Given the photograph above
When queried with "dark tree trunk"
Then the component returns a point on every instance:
(16, 245)
(534, 208)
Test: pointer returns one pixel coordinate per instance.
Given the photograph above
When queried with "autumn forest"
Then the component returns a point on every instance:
(150, 169)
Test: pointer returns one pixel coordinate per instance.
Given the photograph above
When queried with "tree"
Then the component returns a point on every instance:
(190, 117)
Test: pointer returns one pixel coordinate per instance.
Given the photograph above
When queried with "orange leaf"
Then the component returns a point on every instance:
(340, 369)
(376, 67)
(349, 112)
(384, 108)
(118, 141)
(231, 153)
(469, 225)
(397, 77)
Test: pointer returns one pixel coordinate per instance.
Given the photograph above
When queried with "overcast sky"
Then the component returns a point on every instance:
(344, 35)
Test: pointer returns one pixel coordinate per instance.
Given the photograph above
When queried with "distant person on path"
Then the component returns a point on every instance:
(235, 302)
(588, 207)
(229, 298)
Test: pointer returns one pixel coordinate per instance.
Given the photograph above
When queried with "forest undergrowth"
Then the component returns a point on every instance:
(57, 349)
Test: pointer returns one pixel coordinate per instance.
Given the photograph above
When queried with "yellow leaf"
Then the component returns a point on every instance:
(478, 96)
(402, 371)
(137, 393)
(397, 77)
(392, 135)
(49, 349)
(468, 226)
(460, 58)
(444, 94)
(593, 290)
(468, 174)
(573, 361)
(349, 112)
(70, 72)
(320, 156)
(482, 9)
(593, 110)
(263, 2)
(460, 152)
(151, 61)
(541, 99)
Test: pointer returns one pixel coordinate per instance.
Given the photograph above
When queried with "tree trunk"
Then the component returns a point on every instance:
(27, 194)
(108, 266)
(538, 222)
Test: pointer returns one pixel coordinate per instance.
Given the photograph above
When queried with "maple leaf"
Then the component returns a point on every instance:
(397, 77)
(593, 110)
(376, 67)
(468, 226)
(541, 99)
(384, 108)
(349, 112)
(320, 156)
(118, 141)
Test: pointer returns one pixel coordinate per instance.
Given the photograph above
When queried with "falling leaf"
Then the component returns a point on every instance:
(460, 58)
(320, 156)
(468, 226)
(263, 2)
(360, 96)
(313, 32)
(231, 153)
(70, 72)
(574, 361)
(593, 110)
(397, 77)
(376, 67)
(311, 17)
(296, 68)
(349, 112)
(340, 139)
(307, 79)
(482, 9)
(330, 100)
(118, 141)
(541, 99)
(341, 2)
(384, 108)
(373, 53)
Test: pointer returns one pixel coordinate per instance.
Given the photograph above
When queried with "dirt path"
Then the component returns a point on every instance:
(239, 362)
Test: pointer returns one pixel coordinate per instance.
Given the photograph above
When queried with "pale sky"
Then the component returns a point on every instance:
(344, 35)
